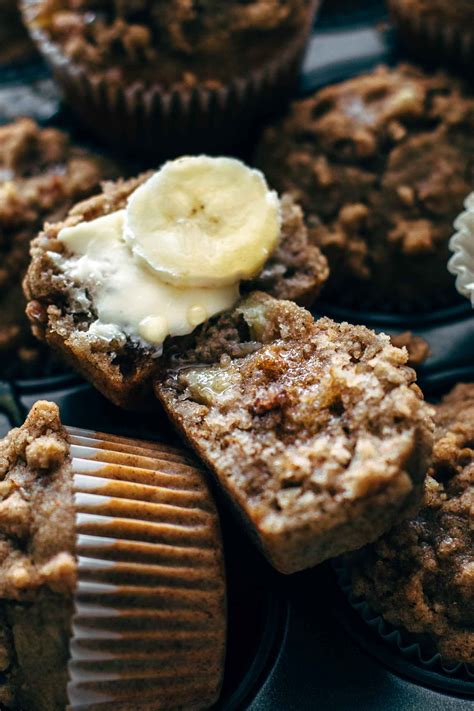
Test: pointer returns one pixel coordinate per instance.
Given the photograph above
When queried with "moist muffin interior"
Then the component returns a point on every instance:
(37, 563)
(315, 429)
(381, 165)
(420, 575)
(41, 176)
(130, 40)
(61, 311)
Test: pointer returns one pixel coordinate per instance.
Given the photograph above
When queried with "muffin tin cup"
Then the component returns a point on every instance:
(430, 37)
(149, 618)
(411, 647)
(349, 305)
(152, 121)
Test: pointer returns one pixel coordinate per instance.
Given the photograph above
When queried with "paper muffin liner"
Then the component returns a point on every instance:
(414, 648)
(430, 37)
(461, 263)
(148, 630)
(164, 122)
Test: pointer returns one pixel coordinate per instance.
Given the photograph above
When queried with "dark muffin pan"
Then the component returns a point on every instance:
(295, 643)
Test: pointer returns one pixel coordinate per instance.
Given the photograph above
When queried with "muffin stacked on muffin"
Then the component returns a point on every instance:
(41, 176)
(173, 77)
(420, 576)
(381, 165)
(316, 430)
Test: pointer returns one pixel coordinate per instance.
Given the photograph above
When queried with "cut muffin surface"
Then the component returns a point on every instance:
(41, 176)
(380, 164)
(62, 310)
(420, 575)
(316, 430)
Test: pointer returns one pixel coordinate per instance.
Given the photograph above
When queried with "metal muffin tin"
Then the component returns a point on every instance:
(295, 644)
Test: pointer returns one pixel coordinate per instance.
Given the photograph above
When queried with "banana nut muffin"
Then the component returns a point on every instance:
(380, 164)
(316, 430)
(102, 538)
(41, 176)
(420, 575)
(181, 41)
(61, 310)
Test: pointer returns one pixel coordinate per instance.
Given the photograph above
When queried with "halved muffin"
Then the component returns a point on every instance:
(420, 575)
(315, 430)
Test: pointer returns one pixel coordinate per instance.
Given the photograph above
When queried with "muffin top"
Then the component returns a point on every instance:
(381, 164)
(65, 301)
(41, 176)
(129, 39)
(421, 574)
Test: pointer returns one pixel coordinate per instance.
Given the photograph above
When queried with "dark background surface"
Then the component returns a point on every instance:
(294, 643)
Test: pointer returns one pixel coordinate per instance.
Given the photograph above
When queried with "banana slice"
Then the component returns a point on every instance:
(203, 222)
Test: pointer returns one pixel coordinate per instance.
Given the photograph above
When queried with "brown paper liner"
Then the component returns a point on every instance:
(151, 120)
(430, 37)
(148, 630)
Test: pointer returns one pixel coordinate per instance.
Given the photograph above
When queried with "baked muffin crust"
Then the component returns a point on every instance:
(41, 176)
(420, 575)
(316, 430)
(380, 164)
(182, 38)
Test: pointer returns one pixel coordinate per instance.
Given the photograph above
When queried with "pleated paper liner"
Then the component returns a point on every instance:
(434, 38)
(461, 263)
(152, 121)
(415, 649)
(149, 626)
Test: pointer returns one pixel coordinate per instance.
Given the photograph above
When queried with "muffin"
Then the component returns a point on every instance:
(436, 30)
(420, 575)
(111, 573)
(41, 176)
(167, 77)
(381, 164)
(316, 431)
(223, 232)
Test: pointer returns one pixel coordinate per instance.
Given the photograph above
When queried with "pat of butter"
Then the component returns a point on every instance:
(129, 297)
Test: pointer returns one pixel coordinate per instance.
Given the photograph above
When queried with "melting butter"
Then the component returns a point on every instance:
(128, 296)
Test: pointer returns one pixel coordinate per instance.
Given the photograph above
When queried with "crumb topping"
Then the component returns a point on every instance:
(61, 311)
(418, 349)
